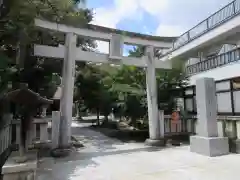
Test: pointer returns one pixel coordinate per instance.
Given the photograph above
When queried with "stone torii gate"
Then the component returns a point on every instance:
(71, 53)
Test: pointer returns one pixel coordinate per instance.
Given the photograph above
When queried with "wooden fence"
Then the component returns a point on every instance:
(228, 126)
(184, 126)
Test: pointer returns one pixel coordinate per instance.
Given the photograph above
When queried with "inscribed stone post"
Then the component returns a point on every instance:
(207, 141)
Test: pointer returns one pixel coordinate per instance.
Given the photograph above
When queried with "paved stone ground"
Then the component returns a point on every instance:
(109, 159)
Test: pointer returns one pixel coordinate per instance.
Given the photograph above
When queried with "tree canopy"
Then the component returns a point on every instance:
(124, 88)
(98, 89)
(18, 34)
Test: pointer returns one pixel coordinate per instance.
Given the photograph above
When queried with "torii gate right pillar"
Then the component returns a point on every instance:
(156, 125)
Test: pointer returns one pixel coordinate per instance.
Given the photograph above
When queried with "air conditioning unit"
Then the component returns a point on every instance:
(116, 47)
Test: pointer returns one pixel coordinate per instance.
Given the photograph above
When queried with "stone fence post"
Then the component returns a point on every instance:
(55, 129)
(161, 123)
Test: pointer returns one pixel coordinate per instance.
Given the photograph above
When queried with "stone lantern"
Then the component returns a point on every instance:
(27, 103)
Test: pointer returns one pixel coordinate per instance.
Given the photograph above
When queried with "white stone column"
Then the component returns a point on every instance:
(151, 84)
(1, 142)
(28, 143)
(67, 89)
(18, 132)
(43, 132)
(161, 123)
(231, 129)
(167, 124)
(44, 112)
(221, 129)
(112, 116)
(55, 129)
(207, 142)
(34, 131)
(189, 125)
(31, 135)
(238, 129)
(237, 141)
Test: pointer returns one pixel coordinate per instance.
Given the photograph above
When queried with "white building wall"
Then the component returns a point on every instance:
(220, 73)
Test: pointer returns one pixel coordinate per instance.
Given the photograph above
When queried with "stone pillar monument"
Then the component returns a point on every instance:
(155, 136)
(207, 142)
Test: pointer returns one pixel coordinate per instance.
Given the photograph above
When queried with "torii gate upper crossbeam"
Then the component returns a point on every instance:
(166, 42)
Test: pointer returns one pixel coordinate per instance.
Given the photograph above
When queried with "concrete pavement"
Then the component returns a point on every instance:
(104, 158)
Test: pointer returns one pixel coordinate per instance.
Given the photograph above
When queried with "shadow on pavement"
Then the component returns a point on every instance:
(82, 162)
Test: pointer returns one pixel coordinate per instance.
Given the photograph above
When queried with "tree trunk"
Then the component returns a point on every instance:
(98, 118)
(21, 49)
(105, 119)
(134, 122)
(77, 110)
(20, 57)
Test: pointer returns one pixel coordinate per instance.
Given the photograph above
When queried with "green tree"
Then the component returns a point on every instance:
(17, 34)
(89, 88)
(130, 85)
(93, 85)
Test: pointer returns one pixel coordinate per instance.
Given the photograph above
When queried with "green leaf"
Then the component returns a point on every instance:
(4, 61)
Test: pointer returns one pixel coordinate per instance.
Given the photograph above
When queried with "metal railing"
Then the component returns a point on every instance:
(221, 16)
(213, 62)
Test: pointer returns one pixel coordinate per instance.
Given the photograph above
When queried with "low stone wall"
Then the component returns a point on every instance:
(20, 171)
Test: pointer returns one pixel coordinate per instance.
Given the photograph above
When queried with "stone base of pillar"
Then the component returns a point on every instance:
(235, 146)
(209, 146)
(60, 152)
(155, 142)
(13, 170)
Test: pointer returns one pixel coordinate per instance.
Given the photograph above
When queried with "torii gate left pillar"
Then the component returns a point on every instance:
(67, 89)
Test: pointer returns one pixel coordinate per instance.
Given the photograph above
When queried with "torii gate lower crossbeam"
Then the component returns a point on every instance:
(71, 53)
